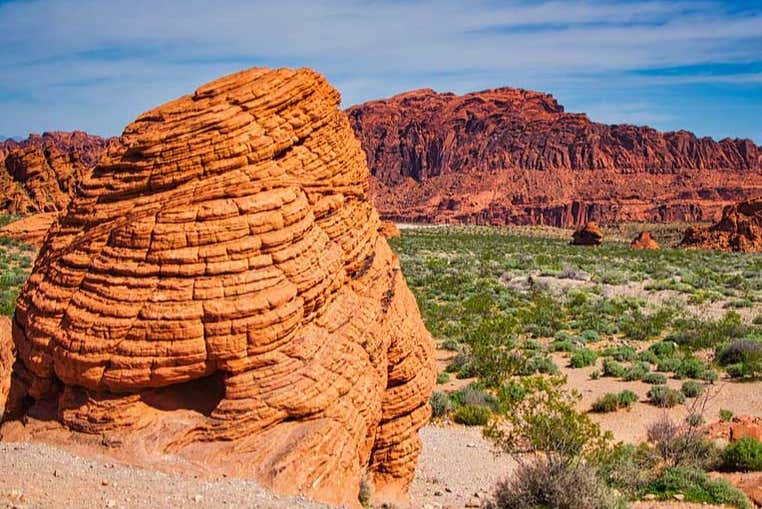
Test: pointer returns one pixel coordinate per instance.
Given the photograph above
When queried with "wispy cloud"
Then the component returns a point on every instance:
(96, 65)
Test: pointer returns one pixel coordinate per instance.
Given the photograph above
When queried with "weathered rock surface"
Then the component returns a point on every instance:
(389, 230)
(739, 229)
(30, 229)
(740, 426)
(219, 289)
(7, 356)
(510, 156)
(39, 174)
(588, 235)
(644, 240)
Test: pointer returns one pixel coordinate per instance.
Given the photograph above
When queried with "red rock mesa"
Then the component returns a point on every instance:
(510, 156)
(219, 290)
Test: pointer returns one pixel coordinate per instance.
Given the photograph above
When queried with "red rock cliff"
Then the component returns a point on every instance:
(515, 156)
(40, 173)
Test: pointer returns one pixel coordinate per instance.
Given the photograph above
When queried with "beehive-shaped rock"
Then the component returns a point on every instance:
(588, 235)
(644, 240)
(218, 289)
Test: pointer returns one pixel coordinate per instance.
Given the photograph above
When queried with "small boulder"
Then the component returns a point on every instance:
(389, 230)
(588, 235)
(644, 240)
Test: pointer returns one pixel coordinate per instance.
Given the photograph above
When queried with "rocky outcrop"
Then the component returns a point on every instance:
(740, 426)
(389, 230)
(7, 357)
(739, 229)
(30, 229)
(218, 290)
(510, 156)
(588, 235)
(644, 240)
(40, 173)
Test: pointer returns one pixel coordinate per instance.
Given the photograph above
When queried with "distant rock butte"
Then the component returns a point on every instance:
(644, 240)
(39, 174)
(219, 290)
(510, 156)
(739, 229)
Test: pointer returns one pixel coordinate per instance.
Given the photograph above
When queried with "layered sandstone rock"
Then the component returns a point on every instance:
(739, 229)
(218, 290)
(588, 235)
(510, 156)
(40, 173)
(7, 357)
(30, 229)
(644, 240)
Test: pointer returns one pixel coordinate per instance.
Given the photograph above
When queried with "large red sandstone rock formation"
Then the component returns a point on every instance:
(644, 240)
(739, 229)
(588, 235)
(219, 290)
(514, 156)
(30, 229)
(40, 173)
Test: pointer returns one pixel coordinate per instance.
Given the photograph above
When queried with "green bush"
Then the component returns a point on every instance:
(743, 455)
(663, 349)
(648, 356)
(589, 336)
(451, 345)
(621, 353)
(665, 397)
(443, 378)
(690, 367)
(726, 415)
(611, 402)
(562, 346)
(697, 487)
(613, 368)
(669, 365)
(692, 389)
(636, 372)
(440, 404)
(654, 379)
(472, 415)
(583, 357)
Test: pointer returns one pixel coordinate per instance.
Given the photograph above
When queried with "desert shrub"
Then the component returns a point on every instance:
(690, 367)
(696, 486)
(473, 394)
(589, 336)
(696, 334)
(683, 444)
(663, 349)
(440, 404)
(654, 378)
(595, 375)
(692, 389)
(472, 415)
(443, 378)
(726, 415)
(742, 358)
(611, 402)
(621, 353)
(757, 320)
(613, 368)
(511, 392)
(583, 357)
(627, 468)
(544, 316)
(561, 485)
(665, 397)
(648, 356)
(639, 326)
(709, 375)
(669, 365)
(458, 362)
(743, 455)
(562, 346)
(365, 495)
(636, 371)
(539, 364)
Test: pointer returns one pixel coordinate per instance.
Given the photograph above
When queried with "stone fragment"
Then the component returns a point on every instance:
(218, 290)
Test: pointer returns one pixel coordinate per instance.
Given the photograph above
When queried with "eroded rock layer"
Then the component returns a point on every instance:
(644, 240)
(219, 289)
(739, 229)
(510, 156)
(30, 229)
(39, 174)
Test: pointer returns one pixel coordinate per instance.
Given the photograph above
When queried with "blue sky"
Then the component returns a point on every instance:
(96, 64)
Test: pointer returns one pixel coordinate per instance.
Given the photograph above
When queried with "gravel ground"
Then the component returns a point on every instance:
(40, 476)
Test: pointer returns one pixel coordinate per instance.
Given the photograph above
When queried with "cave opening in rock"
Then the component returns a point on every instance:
(202, 395)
